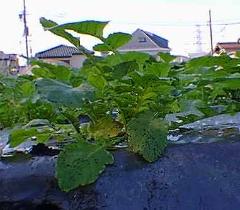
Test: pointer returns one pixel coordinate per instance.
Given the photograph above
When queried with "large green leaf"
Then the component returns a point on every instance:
(97, 80)
(102, 48)
(147, 136)
(116, 59)
(59, 31)
(237, 54)
(63, 94)
(166, 57)
(90, 27)
(159, 69)
(18, 136)
(230, 83)
(192, 106)
(123, 69)
(46, 70)
(197, 65)
(25, 89)
(37, 123)
(105, 128)
(80, 164)
(113, 42)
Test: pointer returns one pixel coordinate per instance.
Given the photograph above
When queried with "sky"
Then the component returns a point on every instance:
(174, 20)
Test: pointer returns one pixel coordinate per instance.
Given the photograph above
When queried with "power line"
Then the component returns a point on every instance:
(226, 24)
(178, 25)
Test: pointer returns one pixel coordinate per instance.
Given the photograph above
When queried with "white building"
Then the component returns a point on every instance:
(143, 41)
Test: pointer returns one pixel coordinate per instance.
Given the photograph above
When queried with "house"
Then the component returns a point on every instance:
(9, 63)
(227, 47)
(64, 55)
(143, 41)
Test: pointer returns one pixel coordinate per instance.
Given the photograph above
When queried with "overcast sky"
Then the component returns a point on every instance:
(174, 20)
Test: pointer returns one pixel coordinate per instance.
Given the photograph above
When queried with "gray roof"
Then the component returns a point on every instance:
(62, 51)
(4, 56)
(161, 42)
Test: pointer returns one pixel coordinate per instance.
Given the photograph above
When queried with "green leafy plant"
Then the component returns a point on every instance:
(124, 97)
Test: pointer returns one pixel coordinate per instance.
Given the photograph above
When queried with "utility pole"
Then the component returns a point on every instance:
(210, 29)
(26, 32)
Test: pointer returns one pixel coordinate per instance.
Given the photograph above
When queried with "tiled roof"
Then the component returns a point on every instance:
(161, 42)
(61, 51)
(229, 46)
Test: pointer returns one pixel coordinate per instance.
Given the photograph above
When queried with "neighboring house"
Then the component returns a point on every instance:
(143, 41)
(8, 63)
(227, 47)
(64, 55)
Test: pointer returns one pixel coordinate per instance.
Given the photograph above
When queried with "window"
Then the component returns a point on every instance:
(142, 39)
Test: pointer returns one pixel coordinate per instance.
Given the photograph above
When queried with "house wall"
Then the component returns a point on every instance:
(4, 67)
(8, 67)
(76, 61)
(8, 63)
(153, 52)
(148, 46)
(134, 43)
(61, 61)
